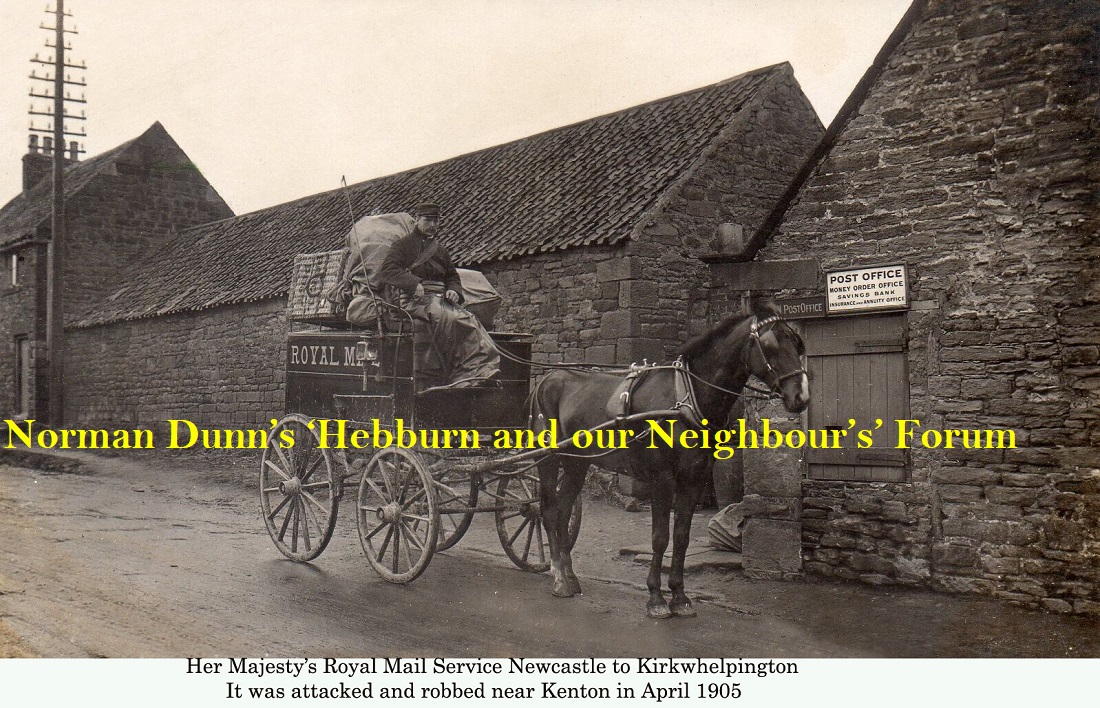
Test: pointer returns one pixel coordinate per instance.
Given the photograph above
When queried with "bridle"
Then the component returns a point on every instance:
(755, 330)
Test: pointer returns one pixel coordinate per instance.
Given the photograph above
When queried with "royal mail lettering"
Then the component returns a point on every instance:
(322, 353)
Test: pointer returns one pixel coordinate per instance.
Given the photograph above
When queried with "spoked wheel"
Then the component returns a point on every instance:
(397, 515)
(457, 496)
(519, 523)
(299, 490)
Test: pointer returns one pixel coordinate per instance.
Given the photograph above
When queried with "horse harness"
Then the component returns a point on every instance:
(620, 402)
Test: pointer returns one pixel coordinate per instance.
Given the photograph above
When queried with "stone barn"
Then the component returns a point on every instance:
(941, 249)
(592, 233)
(120, 206)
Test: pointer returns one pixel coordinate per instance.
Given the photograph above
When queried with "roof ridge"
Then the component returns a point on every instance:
(549, 131)
(585, 183)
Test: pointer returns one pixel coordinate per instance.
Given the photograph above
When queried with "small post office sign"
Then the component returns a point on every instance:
(861, 289)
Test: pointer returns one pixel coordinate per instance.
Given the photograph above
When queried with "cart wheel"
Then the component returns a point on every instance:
(397, 514)
(457, 496)
(519, 523)
(299, 491)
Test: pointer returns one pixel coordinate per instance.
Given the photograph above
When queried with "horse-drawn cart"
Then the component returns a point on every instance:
(356, 410)
(348, 394)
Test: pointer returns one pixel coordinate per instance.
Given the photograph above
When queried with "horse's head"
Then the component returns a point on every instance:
(775, 354)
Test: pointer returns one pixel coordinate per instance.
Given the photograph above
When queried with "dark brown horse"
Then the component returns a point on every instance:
(718, 364)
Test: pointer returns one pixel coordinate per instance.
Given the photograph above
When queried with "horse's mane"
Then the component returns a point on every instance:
(760, 308)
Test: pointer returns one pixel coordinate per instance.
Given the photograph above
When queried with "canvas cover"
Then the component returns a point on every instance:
(369, 242)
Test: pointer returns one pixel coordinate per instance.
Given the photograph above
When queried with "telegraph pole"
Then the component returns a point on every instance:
(55, 261)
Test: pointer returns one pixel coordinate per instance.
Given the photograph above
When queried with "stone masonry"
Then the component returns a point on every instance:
(973, 158)
(216, 367)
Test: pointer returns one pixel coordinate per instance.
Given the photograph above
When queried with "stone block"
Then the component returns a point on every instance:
(619, 268)
(959, 492)
(616, 324)
(1063, 535)
(771, 546)
(911, 571)
(1082, 606)
(601, 354)
(1053, 604)
(633, 487)
(965, 475)
(638, 294)
(1011, 532)
(772, 473)
(1019, 496)
(635, 349)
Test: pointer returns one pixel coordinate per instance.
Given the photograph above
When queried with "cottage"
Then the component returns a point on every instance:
(958, 185)
(120, 206)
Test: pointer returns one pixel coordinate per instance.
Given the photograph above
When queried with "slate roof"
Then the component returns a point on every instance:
(21, 217)
(583, 184)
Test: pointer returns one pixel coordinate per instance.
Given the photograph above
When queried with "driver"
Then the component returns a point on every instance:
(420, 269)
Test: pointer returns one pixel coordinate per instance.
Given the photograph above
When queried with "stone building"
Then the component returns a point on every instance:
(120, 206)
(968, 157)
(591, 232)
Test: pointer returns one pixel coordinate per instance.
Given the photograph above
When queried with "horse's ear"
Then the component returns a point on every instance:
(762, 306)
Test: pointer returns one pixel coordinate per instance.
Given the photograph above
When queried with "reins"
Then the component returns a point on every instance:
(681, 366)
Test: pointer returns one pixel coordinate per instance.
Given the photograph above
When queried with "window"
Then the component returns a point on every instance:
(11, 274)
(860, 371)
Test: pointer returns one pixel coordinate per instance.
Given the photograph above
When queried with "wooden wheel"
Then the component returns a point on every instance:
(299, 490)
(456, 497)
(519, 523)
(397, 515)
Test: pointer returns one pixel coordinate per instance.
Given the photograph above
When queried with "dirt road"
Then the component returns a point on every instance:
(151, 558)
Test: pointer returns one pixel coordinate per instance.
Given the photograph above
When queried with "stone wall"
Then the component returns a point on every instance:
(566, 300)
(974, 159)
(216, 367)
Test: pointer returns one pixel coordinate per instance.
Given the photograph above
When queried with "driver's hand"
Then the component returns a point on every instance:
(419, 292)
(452, 297)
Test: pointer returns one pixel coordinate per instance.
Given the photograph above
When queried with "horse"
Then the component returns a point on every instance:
(696, 391)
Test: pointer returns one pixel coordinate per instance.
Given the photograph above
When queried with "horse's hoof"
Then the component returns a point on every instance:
(658, 611)
(563, 590)
(684, 609)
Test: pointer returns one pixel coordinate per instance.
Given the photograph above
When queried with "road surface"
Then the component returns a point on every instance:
(150, 557)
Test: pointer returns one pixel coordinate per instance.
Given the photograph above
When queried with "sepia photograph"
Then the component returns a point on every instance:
(705, 340)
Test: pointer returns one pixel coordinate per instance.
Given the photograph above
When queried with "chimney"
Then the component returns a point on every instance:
(36, 165)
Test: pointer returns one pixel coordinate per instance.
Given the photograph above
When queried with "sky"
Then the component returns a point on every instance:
(275, 100)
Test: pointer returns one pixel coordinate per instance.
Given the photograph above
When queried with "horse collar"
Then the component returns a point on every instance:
(685, 394)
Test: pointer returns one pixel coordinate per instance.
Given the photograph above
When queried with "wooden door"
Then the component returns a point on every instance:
(23, 376)
(859, 369)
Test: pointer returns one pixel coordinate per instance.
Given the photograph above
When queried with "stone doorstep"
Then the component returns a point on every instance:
(699, 557)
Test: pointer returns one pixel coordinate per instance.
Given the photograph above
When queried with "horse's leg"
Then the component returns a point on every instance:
(661, 505)
(687, 493)
(572, 481)
(549, 502)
